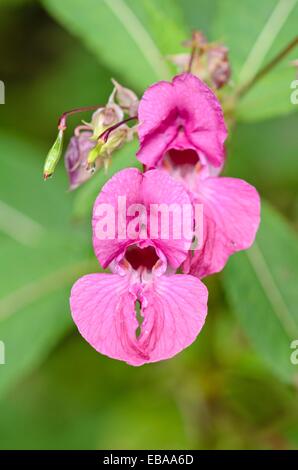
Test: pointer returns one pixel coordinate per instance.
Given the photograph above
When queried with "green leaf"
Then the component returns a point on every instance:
(79, 420)
(23, 191)
(255, 32)
(272, 163)
(270, 97)
(261, 285)
(41, 255)
(75, 80)
(34, 311)
(199, 14)
(153, 14)
(12, 3)
(128, 36)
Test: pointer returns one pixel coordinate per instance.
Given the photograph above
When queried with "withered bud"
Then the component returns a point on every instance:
(198, 40)
(218, 64)
(76, 159)
(181, 61)
(207, 61)
(126, 99)
(103, 118)
(198, 64)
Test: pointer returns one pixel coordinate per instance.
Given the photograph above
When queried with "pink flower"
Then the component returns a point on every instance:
(182, 130)
(184, 114)
(173, 307)
(231, 209)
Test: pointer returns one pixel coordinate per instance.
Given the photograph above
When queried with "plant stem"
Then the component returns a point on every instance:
(63, 118)
(242, 90)
(105, 134)
(192, 56)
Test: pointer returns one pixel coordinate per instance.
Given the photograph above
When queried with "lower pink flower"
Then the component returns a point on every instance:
(231, 211)
(231, 217)
(173, 307)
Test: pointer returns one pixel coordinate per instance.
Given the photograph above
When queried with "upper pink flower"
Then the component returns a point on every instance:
(182, 131)
(172, 307)
(178, 115)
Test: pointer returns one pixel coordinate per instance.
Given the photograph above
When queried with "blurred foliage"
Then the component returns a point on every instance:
(235, 386)
(253, 41)
(109, 24)
(267, 274)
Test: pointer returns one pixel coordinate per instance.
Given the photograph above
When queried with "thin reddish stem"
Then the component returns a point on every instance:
(82, 128)
(105, 134)
(63, 118)
(192, 56)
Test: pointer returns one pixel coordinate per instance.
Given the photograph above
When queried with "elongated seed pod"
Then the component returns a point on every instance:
(53, 156)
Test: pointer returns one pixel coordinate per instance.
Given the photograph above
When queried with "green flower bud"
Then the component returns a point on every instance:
(104, 118)
(105, 148)
(116, 139)
(94, 154)
(53, 156)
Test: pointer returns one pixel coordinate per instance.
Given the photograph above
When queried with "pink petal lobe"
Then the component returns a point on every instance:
(103, 310)
(124, 183)
(188, 107)
(155, 107)
(155, 187)
(155, 145)
(159, 188)
(203, 117)
(231, 219)
(157, 128)
(174, 311)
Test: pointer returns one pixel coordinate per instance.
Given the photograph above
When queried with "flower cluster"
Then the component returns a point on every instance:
(94, 142)
(181, 132)
(207, 61)
(153, 304)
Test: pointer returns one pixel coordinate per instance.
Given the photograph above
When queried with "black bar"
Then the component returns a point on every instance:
(141, 458)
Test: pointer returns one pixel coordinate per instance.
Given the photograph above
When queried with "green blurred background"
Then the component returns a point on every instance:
(235, 387)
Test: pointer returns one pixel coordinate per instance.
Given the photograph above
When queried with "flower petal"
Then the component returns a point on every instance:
(159, 188)
(153, 187)
(154, 146)
(76, 159)
(174, 310)
(124, 183)
(157, 103)
(203, 117)
(231, 219)
(157, 117)
(103, 310)
(186, 105)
